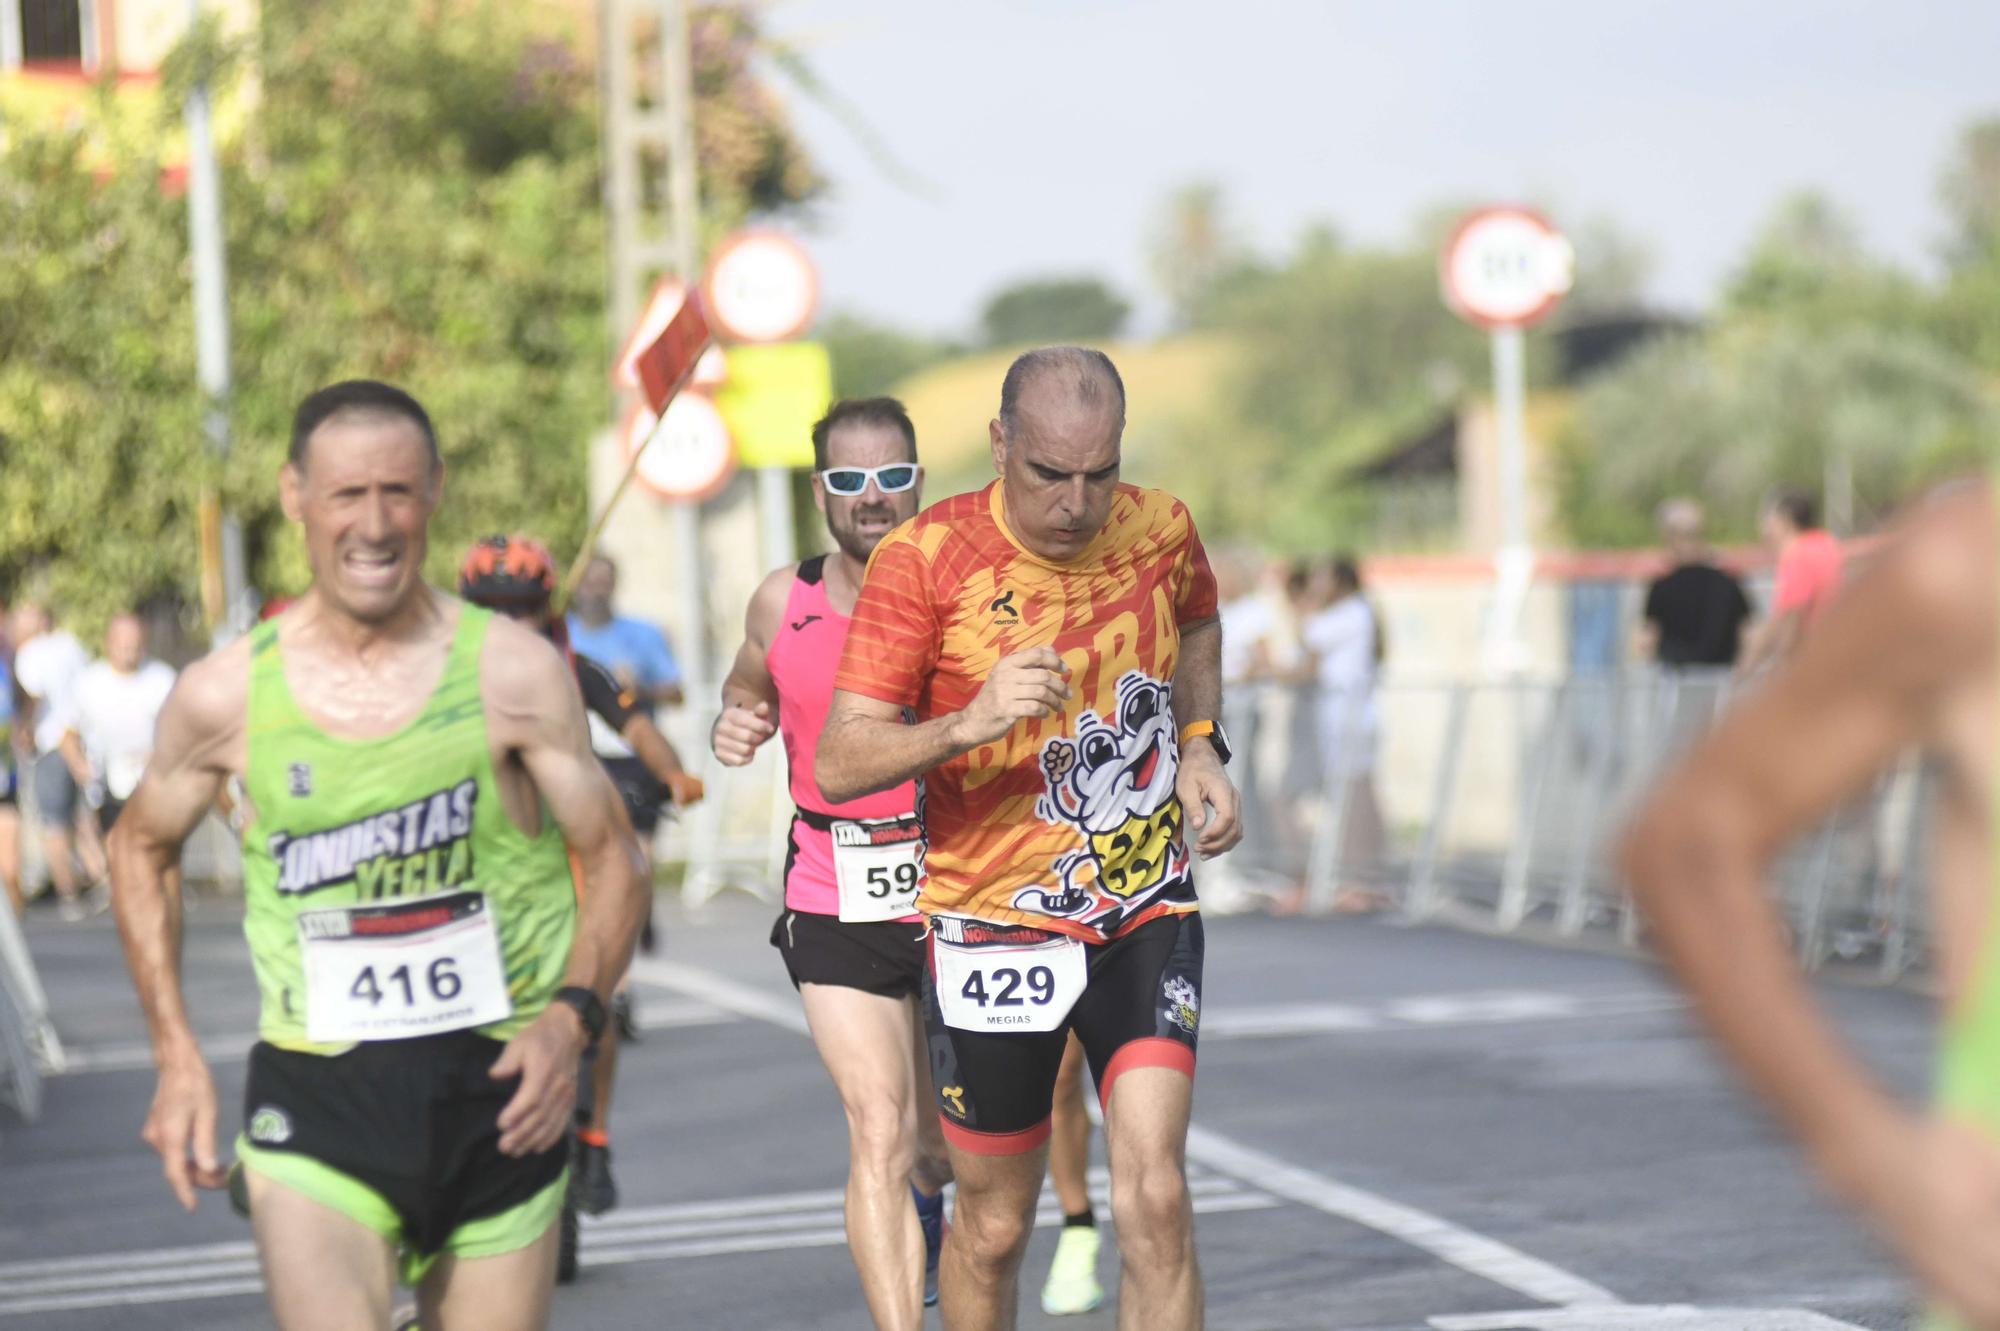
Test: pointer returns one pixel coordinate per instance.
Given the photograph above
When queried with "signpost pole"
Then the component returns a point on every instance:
(1509, 410)
(677, 65)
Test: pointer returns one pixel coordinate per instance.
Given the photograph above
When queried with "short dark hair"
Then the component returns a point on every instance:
(1346, 571)
(1798, 508)
(861, 411)
(1087, 369)
(357, 397)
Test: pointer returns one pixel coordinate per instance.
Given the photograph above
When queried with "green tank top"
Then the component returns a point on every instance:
(347, 822)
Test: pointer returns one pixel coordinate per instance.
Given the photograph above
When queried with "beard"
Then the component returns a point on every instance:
(847, 533)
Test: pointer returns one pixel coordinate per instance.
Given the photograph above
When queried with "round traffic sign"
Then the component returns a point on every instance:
(692, 458)
(761, 287)
(1505, 267)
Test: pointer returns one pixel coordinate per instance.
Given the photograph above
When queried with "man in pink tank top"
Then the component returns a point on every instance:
(850, 934)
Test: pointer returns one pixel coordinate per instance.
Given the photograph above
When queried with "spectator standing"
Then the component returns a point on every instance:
(635, 651)
(118, 701)
(1346, 647)
(1809, 571)
(48, 663)
(1696, 610)
(10, 792)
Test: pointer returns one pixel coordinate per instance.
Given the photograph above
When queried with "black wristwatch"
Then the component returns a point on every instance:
(588, 1007)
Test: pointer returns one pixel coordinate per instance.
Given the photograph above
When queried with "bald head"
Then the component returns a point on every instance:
(1056, 447)
(1680, 522)
(1079, 380)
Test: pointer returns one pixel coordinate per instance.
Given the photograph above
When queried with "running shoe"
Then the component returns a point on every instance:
(1072, 1284)
(596, 1192)
(405, 1319)
(930, 1214)
(626, 1016)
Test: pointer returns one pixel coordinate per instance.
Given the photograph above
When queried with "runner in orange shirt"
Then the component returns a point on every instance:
(1055, 639)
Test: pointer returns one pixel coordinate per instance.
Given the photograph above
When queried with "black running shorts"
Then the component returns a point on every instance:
(403, 1136)
(882, 957)
(1140, 1007)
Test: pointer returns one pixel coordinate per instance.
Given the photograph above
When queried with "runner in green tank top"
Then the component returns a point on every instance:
(1905, 658)
(415, 774)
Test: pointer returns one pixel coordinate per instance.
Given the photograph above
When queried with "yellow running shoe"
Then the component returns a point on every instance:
(1072, 1284)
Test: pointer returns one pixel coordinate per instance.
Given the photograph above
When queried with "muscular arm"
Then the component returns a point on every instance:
(749, 694)
(1205, 791)
(1872, 679)
(867, 747)
(1198, 675)
(538, 717)
(199, 739)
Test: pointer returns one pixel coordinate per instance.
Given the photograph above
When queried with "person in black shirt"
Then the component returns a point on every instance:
(1695, 612)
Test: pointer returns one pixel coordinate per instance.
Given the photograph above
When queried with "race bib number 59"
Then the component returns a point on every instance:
(1030, 988)
(402, 969)
(878, 868)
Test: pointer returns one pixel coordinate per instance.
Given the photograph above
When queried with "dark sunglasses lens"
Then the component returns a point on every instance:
(845, 480)
(894, 479)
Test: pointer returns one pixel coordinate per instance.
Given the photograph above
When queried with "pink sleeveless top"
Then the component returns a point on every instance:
(803, 655)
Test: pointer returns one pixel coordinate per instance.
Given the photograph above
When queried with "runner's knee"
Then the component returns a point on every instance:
(1149, 1204)
(880, 1130)
(992, 1230)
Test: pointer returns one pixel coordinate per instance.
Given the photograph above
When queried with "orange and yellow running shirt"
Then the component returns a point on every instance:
(1069, 823)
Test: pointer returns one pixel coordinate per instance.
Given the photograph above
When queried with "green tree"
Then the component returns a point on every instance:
(1970, 192)
(1056, 309)
(1733, 415)
(414, 197)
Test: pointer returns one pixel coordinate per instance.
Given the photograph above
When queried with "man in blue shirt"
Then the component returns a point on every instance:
(634, 650)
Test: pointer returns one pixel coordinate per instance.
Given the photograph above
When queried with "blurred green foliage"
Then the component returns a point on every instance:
(413, 196)
(1054, 309)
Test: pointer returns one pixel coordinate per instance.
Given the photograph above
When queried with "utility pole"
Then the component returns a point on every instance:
(636, 132)
(211, 340)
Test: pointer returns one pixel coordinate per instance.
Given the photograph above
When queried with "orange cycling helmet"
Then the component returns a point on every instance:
(508, 573)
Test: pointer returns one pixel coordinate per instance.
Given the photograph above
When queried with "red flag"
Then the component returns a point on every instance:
(666, 365)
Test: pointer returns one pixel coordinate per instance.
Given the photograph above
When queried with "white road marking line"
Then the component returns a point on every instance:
(124, 1056)
(233, 1273)
(720, 991)
(1629, 1317)
(220, 1289)
(1472, 1252)
(1487, 1258)
(1427, 1010)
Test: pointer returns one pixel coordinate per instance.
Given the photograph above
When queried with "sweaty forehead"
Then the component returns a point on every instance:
(1067, 434)
(867, 444)
(368, 445)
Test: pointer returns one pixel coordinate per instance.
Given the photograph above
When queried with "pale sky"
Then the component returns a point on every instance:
(1052, 130)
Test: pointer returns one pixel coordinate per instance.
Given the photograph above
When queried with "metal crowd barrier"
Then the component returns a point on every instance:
(29, 1045)
(1504, 802)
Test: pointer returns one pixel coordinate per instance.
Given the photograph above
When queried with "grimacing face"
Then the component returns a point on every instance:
(1058, 470)
(859, 522)
(364, 496)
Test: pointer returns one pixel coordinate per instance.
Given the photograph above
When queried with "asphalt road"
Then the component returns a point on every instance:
(1395, 1128)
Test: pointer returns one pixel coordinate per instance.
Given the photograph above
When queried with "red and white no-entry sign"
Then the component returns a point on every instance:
(1505, 267)
(761, 287)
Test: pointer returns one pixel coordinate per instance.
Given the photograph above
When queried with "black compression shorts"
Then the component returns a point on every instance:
(1141, 1007)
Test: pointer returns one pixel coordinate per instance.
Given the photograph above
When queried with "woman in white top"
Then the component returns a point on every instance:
(1347, 647)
